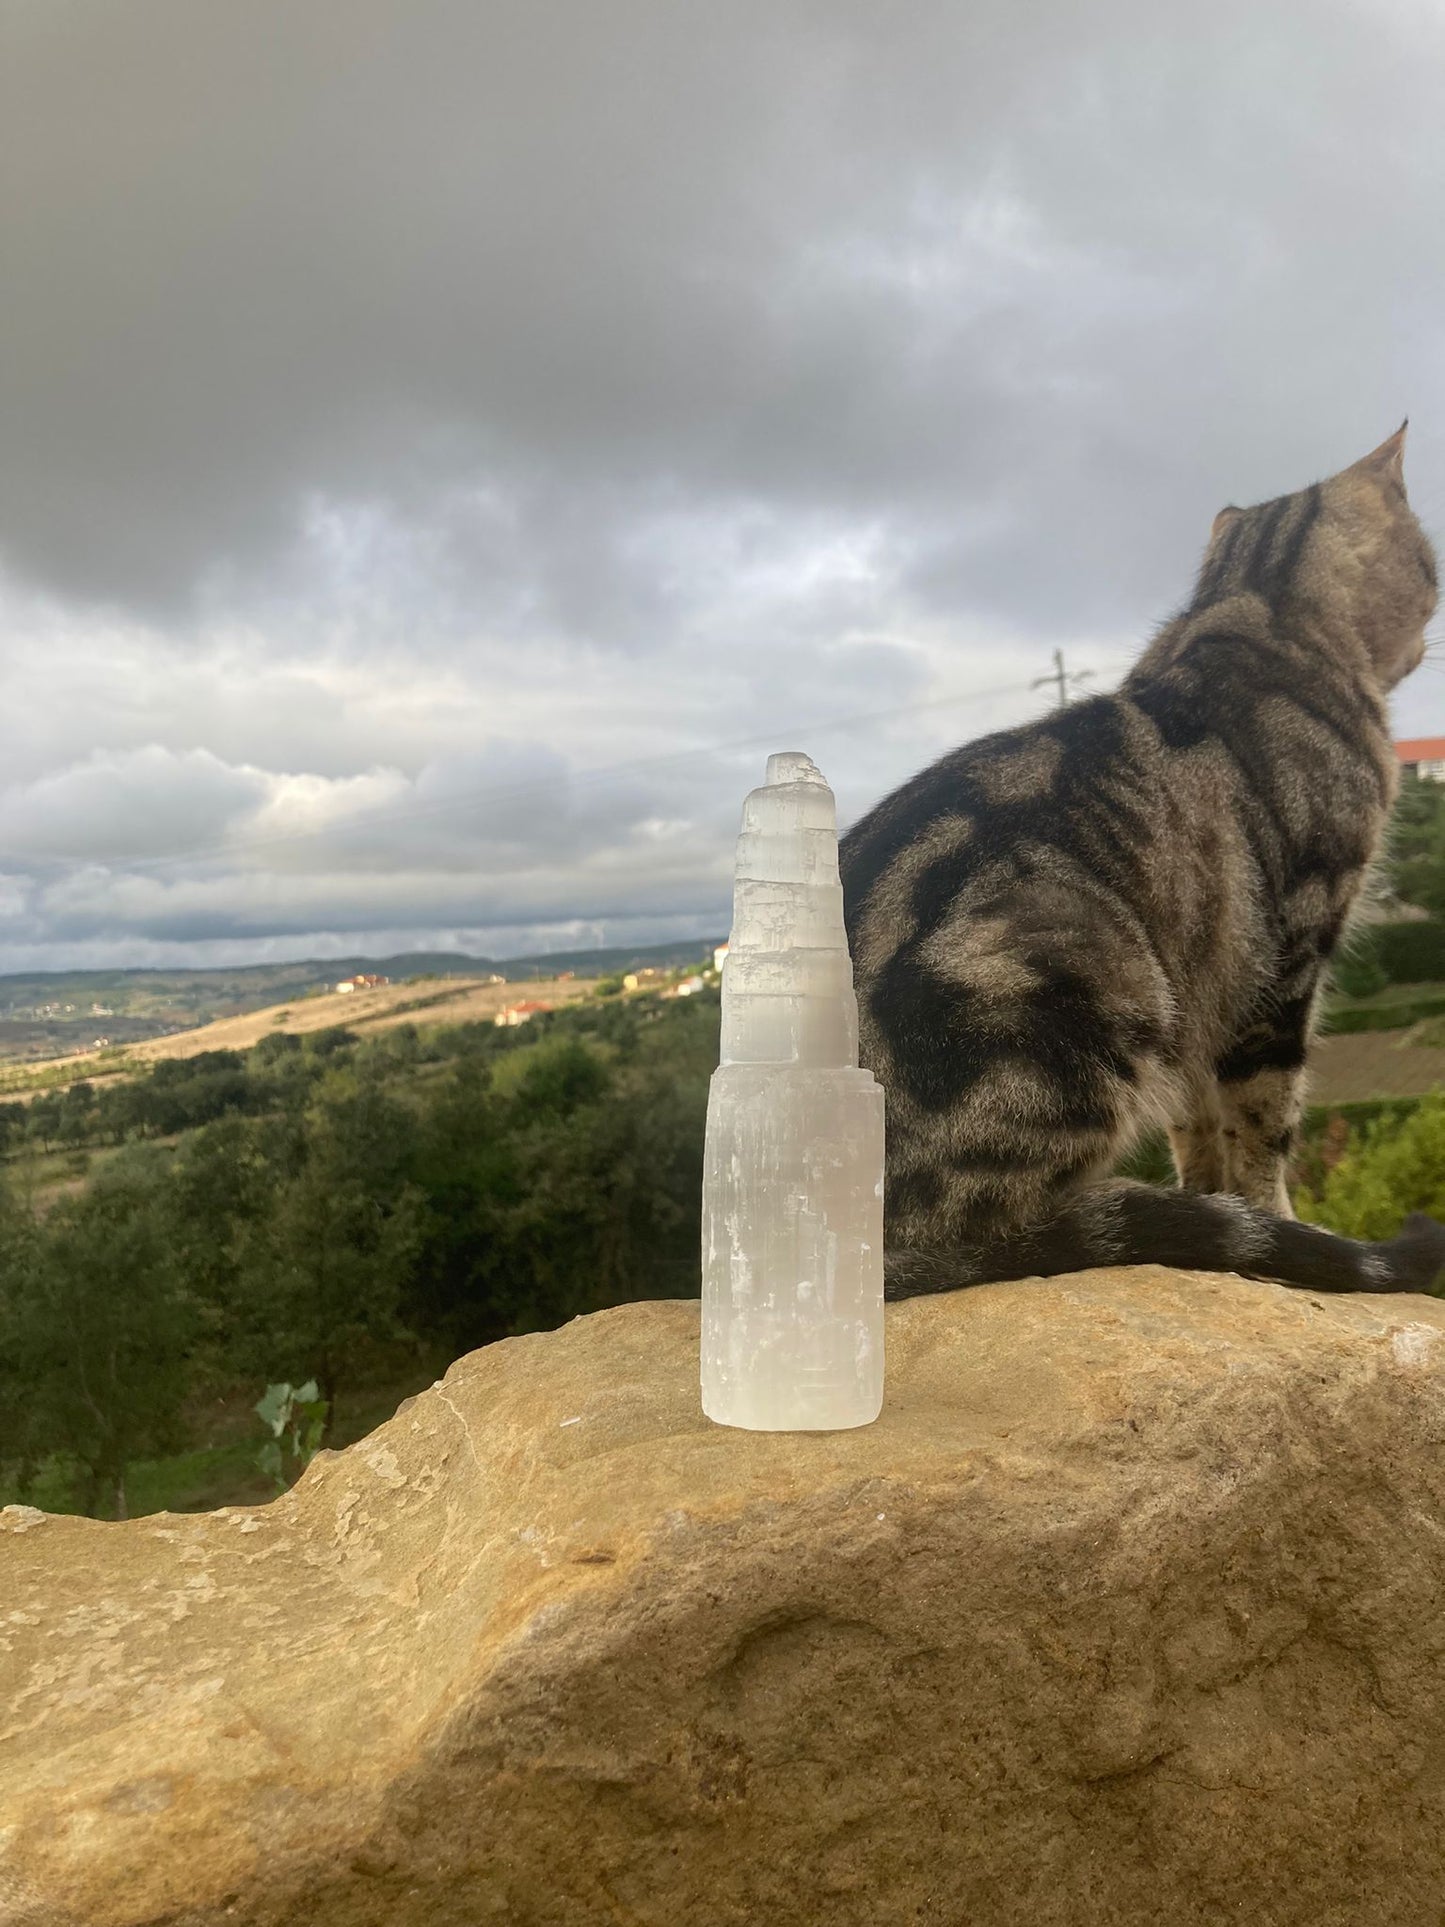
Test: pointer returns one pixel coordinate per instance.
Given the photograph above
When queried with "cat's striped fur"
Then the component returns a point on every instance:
(1120, 916)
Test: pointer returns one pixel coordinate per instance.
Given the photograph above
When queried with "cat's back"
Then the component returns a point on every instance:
(1063, 879)
(1009, 911)
(1075, 800)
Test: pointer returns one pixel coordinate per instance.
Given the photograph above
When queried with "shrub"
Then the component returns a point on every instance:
(1410, 953)
(326, 1043)
(1358, 972)
(1330, 1130)
(296, 1415)
(1398, 1167)
(1349, 1019)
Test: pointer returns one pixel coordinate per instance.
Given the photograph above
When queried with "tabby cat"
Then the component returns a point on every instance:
(1120, 917)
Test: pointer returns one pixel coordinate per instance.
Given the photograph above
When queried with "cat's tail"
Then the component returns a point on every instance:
(1139, 1224)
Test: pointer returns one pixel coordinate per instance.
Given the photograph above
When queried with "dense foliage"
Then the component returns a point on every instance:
(1410, 953)
(1415, 863)
(1395, 1166)
(1379, 955)
(310, 1209)
(1413, 870)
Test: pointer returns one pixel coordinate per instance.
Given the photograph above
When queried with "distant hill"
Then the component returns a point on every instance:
(604, 963)
(50, 1013)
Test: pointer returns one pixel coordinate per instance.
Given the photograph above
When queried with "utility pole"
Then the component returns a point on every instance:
(1061, 678)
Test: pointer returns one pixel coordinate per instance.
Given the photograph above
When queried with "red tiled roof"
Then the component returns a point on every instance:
(1421, 749)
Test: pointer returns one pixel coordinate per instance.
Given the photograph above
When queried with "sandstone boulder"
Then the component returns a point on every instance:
(1130, 1608)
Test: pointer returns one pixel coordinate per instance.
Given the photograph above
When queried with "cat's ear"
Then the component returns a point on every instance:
(1223, 522)
(1387, 462)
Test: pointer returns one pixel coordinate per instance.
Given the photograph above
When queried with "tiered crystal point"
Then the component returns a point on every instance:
(792, 1203)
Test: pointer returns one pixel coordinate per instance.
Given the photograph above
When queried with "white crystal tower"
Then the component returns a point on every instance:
(792, 1189)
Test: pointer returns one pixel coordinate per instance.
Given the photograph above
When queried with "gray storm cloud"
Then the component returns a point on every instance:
(454, 391)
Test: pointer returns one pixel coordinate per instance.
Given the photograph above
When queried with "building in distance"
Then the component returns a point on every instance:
(522, 1013)
(1423, 756)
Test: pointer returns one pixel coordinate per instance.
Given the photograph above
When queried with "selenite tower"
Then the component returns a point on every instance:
(792, 1221)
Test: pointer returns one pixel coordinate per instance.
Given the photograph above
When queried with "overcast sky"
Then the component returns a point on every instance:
(444, 447)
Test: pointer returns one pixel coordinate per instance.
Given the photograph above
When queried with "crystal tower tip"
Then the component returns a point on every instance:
(792, 766)
(788, 987)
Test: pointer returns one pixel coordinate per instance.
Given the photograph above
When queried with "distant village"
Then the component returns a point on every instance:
(658, 983)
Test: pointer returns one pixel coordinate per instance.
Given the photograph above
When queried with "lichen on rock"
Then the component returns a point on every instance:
(1127, 1609)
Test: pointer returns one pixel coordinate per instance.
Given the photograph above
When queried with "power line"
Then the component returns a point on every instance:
(1061, 678)
(384, 814)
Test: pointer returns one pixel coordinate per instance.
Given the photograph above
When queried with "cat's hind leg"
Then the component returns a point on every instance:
(1197, 1141)
(1261, 1115)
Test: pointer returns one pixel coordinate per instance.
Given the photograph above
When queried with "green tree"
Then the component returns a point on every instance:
(465, 1166)
(608, 1175)
(274, 1048)
(1357, 971)
(561, 1075)
(120, 1109)
(400, 1048)
(1421, 880)
(611, 1213)
(1414, 862)
(334, 1256)
(43, 1123)
(78, 1115)
(23, 1442)
(13, 1119)
(280, 1074)
(102, 1333)
(326, 1043)
(222, 1191)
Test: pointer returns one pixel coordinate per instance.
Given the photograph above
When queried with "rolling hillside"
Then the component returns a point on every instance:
(53, 1014)
(461, 1000)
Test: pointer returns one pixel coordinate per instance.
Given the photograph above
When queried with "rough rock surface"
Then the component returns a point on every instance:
(1129, 1608)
